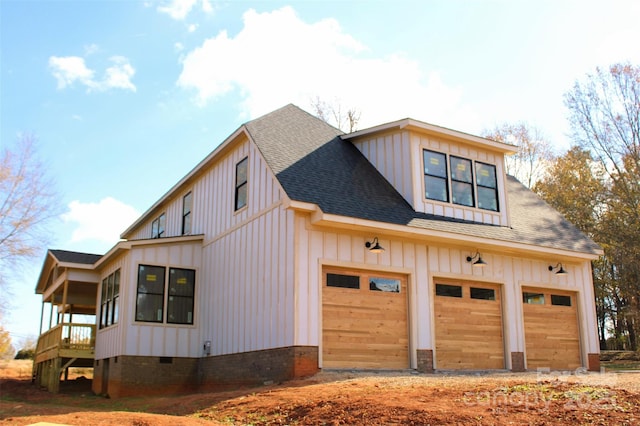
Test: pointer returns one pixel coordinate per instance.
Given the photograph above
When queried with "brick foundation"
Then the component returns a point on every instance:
(593, 362)
(137, 375)
(517, 362)
(425, 360)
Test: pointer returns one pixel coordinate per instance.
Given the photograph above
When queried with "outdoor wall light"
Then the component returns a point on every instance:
(560, 269)
(476, 260)
(374, 246)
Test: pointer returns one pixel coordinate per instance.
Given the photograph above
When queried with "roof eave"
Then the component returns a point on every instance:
(319, 218)
(422, 127)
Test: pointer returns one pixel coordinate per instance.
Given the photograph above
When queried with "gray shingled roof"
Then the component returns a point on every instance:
(314, 165)
(75, 257)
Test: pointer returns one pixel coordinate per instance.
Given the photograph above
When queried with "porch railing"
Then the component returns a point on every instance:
(80, 337)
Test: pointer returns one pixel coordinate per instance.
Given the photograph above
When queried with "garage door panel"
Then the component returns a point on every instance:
(364, 328)
(552, 338)
(469, 332)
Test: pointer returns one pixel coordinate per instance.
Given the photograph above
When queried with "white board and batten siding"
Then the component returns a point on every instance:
(244, 267)
(391, 153)
(424, 264)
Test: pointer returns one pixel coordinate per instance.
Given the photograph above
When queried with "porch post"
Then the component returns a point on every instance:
(41, 316)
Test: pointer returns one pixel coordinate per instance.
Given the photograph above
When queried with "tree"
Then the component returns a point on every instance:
(605, 118)
(534, 151)
(6, 349)
(27, 202)
(27, 350)
(334, 114)
(574, 185)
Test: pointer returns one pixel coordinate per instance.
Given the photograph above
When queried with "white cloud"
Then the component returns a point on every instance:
(179, 9)
(103, 221)
(192, 28)
(277, 58)
(67, 70)
(71, 69)
(119, 75)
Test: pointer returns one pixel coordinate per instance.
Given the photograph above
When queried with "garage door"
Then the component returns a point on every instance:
(552, 338)
(364, 320)
(468, 325)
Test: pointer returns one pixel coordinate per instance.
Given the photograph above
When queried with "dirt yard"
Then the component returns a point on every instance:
(331, 398)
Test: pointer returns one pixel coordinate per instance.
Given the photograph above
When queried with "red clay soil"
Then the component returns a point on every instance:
(347, 399)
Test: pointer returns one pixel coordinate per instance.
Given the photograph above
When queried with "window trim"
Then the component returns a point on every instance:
(241, 185)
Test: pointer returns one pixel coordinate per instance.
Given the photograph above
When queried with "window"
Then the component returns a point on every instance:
(483, 293)
(241, 183)
(533, 298)
(157, 226)
(461, 182)
(391, 285)
(150, 303)
(187, 204)
(559, 300)
(435, 176)
(150, 297)
(457, 182)
(448, 290)
(180, 298)
(109, 301)
(343, 281)
(487, 186)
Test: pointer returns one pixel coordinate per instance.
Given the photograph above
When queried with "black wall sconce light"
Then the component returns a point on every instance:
(476, 260)
(560, 269)
(374, 246)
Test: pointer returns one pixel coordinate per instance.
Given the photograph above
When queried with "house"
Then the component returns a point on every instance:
(294, 247)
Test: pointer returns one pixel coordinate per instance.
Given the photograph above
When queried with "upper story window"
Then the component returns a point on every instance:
(456, 181)
(487, 186)
(187, 204)
(241, 184)
(158, 225)
(109, 300)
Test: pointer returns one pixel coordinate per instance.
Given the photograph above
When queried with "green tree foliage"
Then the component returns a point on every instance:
(604, 113)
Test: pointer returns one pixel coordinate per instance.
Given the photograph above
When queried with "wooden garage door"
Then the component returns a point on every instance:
(364, 320)
(551, 334)
(468, 323)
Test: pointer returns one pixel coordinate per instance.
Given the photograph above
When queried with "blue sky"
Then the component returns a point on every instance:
(125, 97)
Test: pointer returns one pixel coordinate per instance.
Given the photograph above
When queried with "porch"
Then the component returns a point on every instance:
(60, 348)
(68, 285)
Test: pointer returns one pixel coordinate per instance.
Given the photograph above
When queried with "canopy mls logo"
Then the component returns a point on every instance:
(552, 390)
